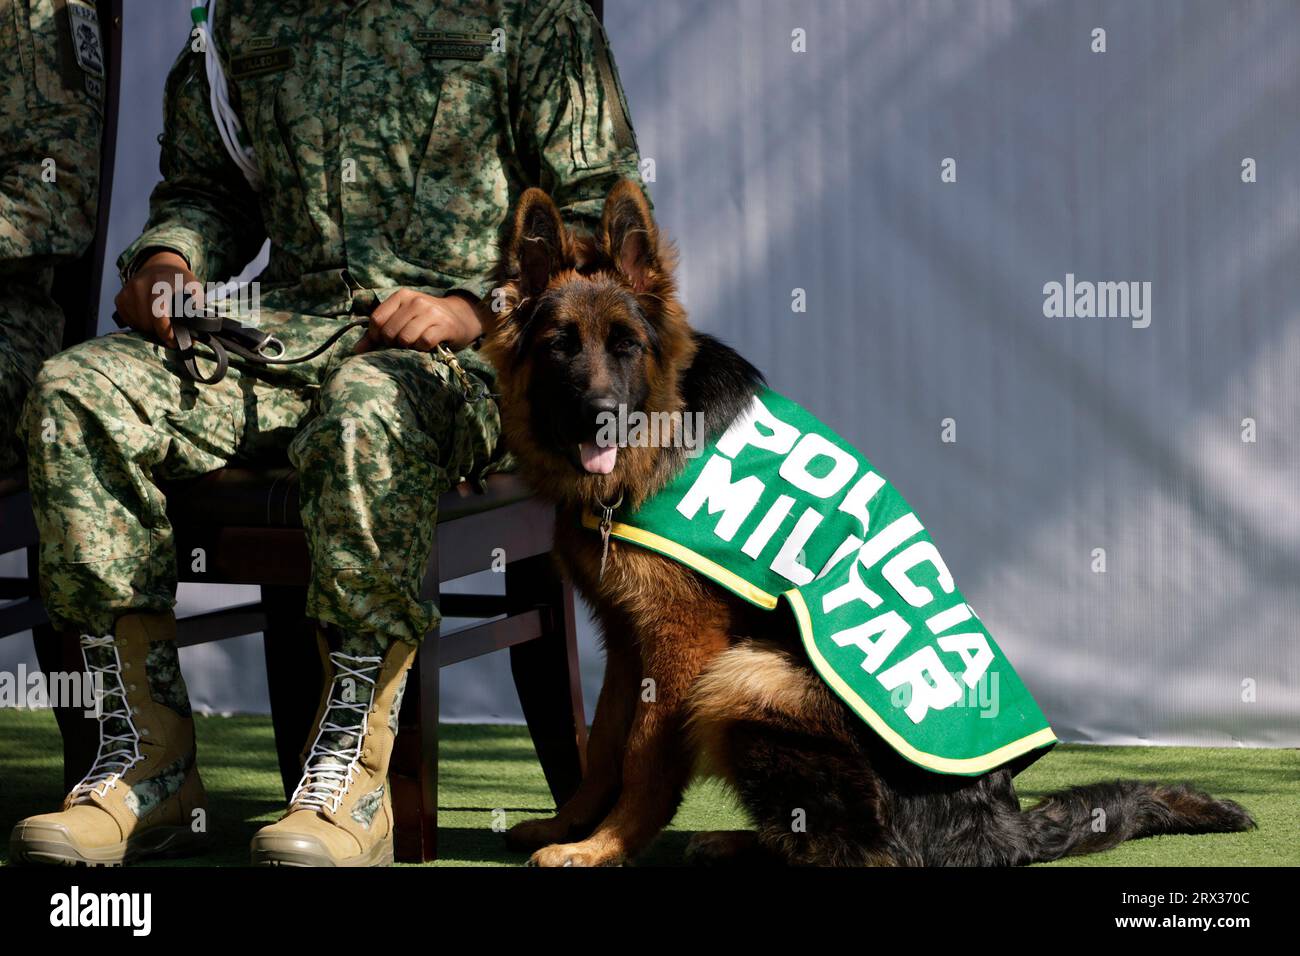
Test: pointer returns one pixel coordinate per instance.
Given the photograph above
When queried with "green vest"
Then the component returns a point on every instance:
(781, 508)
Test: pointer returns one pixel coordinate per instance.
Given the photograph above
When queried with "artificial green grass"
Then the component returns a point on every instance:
(489, 774)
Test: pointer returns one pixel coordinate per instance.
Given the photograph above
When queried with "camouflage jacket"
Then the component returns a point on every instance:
(392, 136)
(51, 102)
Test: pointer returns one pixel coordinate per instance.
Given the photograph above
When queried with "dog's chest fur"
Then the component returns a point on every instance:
(654, 598)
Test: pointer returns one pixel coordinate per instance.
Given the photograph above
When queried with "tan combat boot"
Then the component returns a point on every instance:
(142, 796)
(342, 812)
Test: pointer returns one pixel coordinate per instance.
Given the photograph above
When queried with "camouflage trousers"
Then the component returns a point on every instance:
(376, 438)
(31, 327)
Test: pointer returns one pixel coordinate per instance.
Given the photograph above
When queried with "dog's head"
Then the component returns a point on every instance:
(586, 329)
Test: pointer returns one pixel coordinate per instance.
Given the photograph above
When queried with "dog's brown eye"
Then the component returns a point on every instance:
(565, 344)
(626, 347)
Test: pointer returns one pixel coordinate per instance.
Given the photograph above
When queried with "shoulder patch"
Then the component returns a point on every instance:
(83, 23)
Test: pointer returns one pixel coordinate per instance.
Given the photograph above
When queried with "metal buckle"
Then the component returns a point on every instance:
(267, 343)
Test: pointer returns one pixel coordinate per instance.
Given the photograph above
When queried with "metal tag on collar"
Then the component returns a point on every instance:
(606, 526)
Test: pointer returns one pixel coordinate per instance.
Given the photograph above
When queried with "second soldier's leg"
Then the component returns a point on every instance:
(30, 325)
(392, 433)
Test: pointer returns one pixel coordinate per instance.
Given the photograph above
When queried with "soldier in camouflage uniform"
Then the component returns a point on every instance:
(392, 138)
(51, 116)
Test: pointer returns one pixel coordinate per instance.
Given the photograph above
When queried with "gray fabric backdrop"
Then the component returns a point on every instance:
(820, 171)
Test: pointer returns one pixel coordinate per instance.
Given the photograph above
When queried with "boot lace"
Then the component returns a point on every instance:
(333, 762)
(117, 753)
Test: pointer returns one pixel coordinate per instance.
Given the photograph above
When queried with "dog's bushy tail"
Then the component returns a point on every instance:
(1099, 816)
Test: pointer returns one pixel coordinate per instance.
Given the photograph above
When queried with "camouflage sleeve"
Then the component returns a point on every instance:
(203, 209)
(51, 89)
(573, 128)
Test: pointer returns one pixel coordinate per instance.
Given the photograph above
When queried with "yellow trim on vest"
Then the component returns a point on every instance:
(671, 549)
(967, 765)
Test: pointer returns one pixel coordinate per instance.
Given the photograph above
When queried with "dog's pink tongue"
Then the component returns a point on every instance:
(598, 460)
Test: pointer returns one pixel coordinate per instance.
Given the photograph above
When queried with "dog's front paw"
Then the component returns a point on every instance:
(535, 834)
(576, 854)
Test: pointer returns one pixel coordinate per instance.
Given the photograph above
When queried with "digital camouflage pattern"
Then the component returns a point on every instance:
(166, 683)
(376, 438)
(393, 137)
(392, 431)
(366, 808)
(51, 89)
(392, 140)
(148, 794)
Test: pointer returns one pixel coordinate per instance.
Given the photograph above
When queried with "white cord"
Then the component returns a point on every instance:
(328, 773)
(117, 753)
(203, 14)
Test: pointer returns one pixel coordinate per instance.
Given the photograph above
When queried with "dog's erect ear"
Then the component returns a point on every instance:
(630, 235)
(538, 242)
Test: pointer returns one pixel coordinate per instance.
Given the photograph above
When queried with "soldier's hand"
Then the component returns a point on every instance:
(145, 306)
(413, 320)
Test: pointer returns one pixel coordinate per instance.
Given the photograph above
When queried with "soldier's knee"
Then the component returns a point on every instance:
(60, 377)
(362, 388)
(69, 380)
(366, 403)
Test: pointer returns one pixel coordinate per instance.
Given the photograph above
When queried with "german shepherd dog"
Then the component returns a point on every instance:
(591, 323)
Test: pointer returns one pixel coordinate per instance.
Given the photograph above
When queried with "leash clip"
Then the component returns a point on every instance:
(473, 388)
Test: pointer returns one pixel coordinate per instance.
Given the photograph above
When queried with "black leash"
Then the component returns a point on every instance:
(222, 336)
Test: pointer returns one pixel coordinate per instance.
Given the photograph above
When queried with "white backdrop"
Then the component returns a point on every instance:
(1076, 439)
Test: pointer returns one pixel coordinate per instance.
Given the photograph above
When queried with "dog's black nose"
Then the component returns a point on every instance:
(595, 406)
